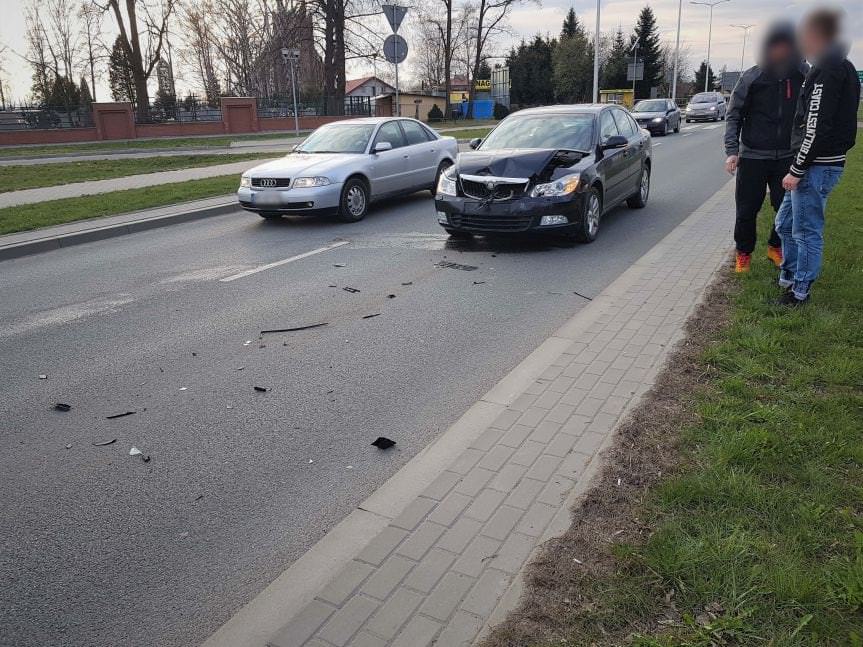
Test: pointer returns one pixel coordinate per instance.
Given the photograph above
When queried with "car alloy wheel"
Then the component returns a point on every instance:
(589, 225)
(355, 201)
(639, 199)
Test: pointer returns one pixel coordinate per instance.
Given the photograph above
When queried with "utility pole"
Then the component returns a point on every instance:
(290, 56)
(676, 53)
(745, 29)
(596, 56)
(634, 48)
(711, 4)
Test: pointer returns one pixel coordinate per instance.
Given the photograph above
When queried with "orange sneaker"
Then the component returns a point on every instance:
(775, 255)
(743, 261)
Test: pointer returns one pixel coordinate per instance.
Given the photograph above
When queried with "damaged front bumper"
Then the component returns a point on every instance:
(552, 214)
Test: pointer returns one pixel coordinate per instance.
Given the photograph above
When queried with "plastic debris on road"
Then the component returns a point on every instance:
(135, 452)
(377, 314)
(340, 264)
(457, 266)
(120, 415)
(261, 389)
(62, 406)
(43, 377)
(381, 442)
(295, 328)
(102, 443)
(350, 289)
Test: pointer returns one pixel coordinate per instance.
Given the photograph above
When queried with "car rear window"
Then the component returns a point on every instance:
(415, 133)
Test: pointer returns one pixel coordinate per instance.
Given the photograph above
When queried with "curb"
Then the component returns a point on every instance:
(50, 243)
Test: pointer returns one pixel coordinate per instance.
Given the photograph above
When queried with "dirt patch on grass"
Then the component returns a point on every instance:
(566, 585)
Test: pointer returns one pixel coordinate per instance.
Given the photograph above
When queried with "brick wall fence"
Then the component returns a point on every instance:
(117, 121)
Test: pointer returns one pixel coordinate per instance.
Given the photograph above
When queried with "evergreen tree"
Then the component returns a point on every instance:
(614, 70)
(570, 24)
(573, 63)
(484, 71)
(120, 77)
(530, 68)
(86, 96)
(699, 78)
(649, 52)
(65, 95)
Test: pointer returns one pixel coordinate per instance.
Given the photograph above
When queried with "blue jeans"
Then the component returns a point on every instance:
(800, 225)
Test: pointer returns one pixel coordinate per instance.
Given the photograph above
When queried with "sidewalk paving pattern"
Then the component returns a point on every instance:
(447, 567)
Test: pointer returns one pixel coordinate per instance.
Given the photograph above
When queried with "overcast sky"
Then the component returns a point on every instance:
(545, 18)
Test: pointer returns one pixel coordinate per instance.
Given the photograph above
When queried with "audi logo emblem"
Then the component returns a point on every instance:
(268, 181)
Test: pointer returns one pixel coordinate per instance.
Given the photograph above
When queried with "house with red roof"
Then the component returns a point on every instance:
(369, 86)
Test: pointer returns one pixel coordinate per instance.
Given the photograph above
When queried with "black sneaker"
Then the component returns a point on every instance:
(788, 299)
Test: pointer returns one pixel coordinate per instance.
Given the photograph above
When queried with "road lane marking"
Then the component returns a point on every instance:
(284, 261)
(711, 126)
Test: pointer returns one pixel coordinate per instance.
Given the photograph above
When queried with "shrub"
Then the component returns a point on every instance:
(500, 111)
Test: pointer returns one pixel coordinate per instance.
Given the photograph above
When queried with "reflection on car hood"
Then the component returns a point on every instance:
(506, 162)
(294, 164)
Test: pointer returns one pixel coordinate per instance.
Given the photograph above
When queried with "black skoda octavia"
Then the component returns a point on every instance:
(555, 169)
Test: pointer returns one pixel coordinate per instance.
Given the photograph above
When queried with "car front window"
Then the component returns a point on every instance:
(703, 98)
(338, 138)
(572, 132)
(650, 106)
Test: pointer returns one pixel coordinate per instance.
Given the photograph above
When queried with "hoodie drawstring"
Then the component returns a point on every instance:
(787, 88)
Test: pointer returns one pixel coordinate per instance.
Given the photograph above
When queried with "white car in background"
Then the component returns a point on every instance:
(344, 166)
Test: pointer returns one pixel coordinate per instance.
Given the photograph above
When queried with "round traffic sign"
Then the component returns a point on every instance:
(395, 48)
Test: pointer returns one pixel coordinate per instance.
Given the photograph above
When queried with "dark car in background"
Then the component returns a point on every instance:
(659, 116)
(551, 169)
(706, 106)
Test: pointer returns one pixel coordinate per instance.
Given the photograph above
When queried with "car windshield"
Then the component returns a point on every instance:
(338, 138)
(650, 106)
(703, 98)
(572, 132)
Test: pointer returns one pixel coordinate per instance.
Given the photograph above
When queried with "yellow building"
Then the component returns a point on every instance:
(622, 97)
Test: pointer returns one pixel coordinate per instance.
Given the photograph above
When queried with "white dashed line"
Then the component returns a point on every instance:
(285, 261)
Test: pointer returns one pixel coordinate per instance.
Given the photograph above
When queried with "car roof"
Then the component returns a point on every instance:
(573, 108)
(367, 120)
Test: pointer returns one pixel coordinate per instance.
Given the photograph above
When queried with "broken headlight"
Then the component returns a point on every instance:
(446, 185)
(560, 187)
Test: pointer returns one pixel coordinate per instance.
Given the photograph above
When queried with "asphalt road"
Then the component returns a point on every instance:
(101, 548)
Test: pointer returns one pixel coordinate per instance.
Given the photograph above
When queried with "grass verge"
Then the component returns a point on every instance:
(16, 178)
(219, 141)
(738, 516)
(56, 212)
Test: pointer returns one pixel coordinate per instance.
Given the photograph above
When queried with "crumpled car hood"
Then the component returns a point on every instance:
(508, 162)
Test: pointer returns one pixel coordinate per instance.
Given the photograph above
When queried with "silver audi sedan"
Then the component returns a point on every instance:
(344, 166)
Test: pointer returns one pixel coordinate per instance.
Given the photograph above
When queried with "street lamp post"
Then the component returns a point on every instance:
(711, 4)
(676, 52)
(745, 29)
(291, 56)
(596, 56)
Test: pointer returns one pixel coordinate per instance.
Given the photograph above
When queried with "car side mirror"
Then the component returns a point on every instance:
(615, 141)
(476, 141)
(380, 147)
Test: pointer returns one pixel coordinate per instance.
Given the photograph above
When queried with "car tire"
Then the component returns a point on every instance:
(270, 215)
(588, 226)
(354, 203)
(666, 129)
(460, 235)
(639, 199)
(443, 166)
(688, 121)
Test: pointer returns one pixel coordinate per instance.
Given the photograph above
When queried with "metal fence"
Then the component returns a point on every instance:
(30, 117)
(284, 107)
(189, 109)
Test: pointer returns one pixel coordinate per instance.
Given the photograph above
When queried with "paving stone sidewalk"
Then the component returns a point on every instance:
(448, 566)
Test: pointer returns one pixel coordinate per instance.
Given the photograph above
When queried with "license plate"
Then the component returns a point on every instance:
(267, 198)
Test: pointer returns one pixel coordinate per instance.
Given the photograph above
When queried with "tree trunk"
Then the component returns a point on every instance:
(448, 58)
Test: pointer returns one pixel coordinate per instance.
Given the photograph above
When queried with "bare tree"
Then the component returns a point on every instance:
(141, 19)
(90, 20)
(200, 46)
(3, 86)
(491, 21)
(38, 54)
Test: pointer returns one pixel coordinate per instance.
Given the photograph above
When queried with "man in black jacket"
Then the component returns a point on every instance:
(825, 128)
(758, 136)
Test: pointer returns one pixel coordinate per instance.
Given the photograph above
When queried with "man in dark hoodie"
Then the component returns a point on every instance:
(758, 136)
(825, 128)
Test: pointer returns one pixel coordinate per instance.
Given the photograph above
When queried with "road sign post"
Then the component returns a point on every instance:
(291, 56)
(395, 47)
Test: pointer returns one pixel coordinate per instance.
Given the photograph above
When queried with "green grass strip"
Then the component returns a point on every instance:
(56, 212)
(16, 178)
